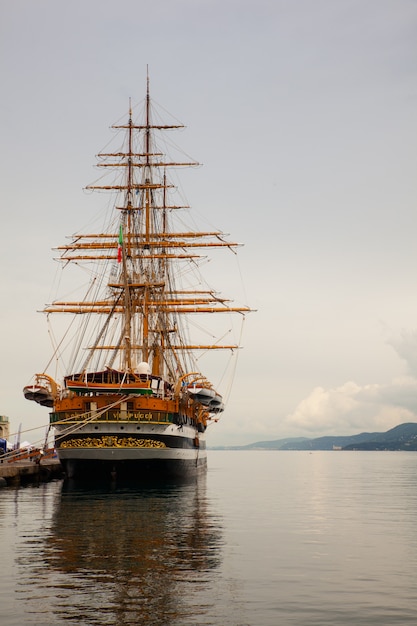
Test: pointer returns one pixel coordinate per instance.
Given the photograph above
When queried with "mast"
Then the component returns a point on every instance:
(143, 295)
(126, 217)
(145, 350)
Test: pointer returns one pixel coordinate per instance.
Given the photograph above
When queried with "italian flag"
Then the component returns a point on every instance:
(120, 244)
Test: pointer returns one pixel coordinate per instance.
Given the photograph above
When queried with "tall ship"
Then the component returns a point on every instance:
(126, 393)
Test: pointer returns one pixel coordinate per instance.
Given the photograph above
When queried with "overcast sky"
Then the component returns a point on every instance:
(304, 115)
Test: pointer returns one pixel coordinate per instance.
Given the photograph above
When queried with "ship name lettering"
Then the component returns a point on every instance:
(130, 415)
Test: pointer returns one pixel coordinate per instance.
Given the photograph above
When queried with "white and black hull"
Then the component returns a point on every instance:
(130, 452)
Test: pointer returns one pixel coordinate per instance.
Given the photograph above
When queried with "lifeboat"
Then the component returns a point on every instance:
(43, 390)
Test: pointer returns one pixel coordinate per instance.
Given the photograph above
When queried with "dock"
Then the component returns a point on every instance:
(25, 471)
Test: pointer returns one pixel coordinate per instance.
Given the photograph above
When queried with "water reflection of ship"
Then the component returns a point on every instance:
(135, 551)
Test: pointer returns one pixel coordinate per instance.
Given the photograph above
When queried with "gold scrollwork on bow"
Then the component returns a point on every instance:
(112, 441)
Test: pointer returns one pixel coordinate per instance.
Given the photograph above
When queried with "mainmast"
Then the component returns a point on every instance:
(145, 349)
(125, 225)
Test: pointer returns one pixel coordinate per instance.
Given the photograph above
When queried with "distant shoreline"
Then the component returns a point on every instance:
(397, 439)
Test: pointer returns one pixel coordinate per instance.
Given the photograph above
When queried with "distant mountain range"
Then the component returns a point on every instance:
(402, 437)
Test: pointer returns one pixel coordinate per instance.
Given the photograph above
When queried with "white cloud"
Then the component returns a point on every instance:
(351, 408)
(406, 347)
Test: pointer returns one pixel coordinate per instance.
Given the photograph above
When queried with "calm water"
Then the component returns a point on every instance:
(266, 538)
